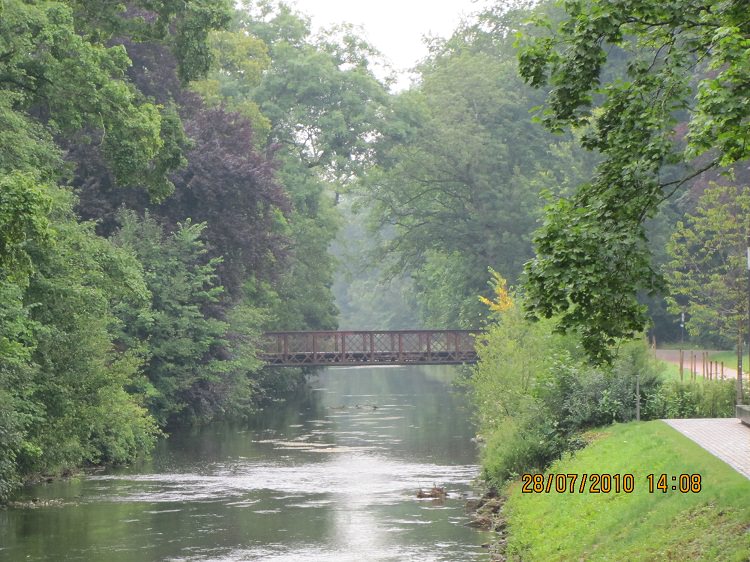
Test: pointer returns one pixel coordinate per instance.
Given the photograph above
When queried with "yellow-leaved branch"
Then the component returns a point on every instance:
(502, 300)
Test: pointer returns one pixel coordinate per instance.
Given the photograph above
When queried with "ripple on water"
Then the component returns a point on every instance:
(331, 486)
(369, 477)
(442, 552)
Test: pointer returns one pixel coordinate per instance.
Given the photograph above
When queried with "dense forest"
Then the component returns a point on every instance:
(178, 177)
(168, 173)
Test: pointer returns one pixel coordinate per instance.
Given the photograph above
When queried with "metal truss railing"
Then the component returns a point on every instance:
(396, 347)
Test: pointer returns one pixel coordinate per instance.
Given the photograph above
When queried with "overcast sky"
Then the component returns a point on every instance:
(394, 27)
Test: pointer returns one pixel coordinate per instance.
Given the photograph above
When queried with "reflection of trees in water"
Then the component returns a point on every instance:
(436, 424)
(434, 429)
(302, 404)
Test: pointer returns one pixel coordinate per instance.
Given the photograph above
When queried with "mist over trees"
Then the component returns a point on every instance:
(462, 173)
(167, 194)
(174, 177)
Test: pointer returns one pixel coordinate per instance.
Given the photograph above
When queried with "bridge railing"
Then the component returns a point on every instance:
(366, 347)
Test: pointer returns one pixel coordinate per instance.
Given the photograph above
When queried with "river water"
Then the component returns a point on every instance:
(331, 475)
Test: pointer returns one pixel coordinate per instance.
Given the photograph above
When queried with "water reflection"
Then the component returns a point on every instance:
(331, 476)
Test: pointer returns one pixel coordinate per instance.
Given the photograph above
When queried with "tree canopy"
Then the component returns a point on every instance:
(685, 64)
(460, 170)
(707, 273)
(145, 234)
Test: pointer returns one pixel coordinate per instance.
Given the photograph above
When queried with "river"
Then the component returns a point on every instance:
(331, 475)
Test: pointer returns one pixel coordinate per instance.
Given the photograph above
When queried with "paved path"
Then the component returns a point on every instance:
(725, 438)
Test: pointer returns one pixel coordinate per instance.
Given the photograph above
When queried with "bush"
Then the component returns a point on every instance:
(510, 385)
(707, 399)
(581, 396)
(519, 446)
(535, 394)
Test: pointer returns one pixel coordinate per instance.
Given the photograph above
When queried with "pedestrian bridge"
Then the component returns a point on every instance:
(348, 348)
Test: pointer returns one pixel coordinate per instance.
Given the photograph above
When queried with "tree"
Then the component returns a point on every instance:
(232, 187)
(460, 172)
(320, 111)
(72, 389)
(72, 402)
(56, 67)
(227, 182)
(319, 93)
(180, 333)
(708, 272)
(364, 298)
(686, 59)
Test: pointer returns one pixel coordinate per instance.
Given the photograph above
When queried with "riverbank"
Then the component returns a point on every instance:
(323, 476)
(710, 524)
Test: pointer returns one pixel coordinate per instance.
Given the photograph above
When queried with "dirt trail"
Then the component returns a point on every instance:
(673, 356)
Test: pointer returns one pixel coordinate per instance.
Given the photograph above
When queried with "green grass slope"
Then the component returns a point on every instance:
(713, 524)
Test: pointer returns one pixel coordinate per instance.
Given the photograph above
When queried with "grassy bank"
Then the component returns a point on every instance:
(730, 359)
(713, 524)
(671, 372)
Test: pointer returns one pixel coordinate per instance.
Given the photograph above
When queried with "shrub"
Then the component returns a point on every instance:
(706, 399)
(526, 445)
(535, 394)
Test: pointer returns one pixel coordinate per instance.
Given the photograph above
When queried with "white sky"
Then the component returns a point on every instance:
(394, 27)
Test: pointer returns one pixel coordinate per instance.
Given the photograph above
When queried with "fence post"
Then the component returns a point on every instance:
(693, 365)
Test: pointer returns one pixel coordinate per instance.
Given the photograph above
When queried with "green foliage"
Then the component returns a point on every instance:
(73, 402)
(94, 333)
(446, 290)
(62, 383)
(182, 25)
(79, 83)
(520, 433)
(521, 445)
(681, 55)
(708, 271)
(579, 396)
(366, 300)
(190, 40)
(180, 333)
(315, 102)
(16, 370)
(535, 392)
(24, 205)
(25, 145)
(240, 60)
(321, 97)
(707, 399)
(304, 292)
(513, 353)
(239, 388)
(460, 171)
(586, 255)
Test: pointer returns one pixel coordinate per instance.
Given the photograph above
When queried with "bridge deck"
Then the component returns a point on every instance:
(348, 348)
